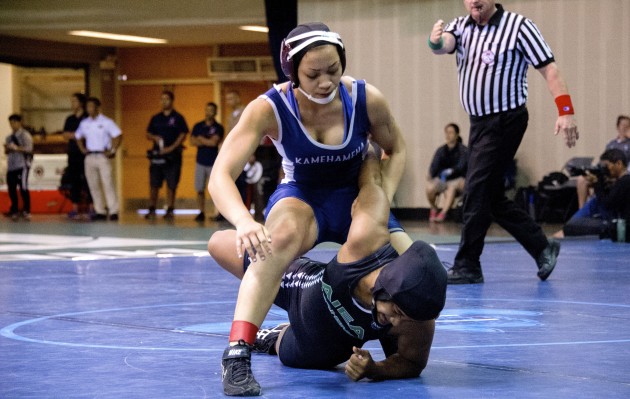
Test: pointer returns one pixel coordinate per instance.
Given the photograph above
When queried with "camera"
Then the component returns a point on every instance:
(156, 158)
(600, 171)
(153, 154)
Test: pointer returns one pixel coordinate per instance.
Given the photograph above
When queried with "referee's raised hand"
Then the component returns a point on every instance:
(437, 31)
(438, 42)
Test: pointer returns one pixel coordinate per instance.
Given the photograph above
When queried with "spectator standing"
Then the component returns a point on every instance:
(74, 174)
(446, 173)
(19, 149)
(494, 49)
(206, 136)
(167, 131)
(102, 138)
(253, 177)
(233, 100)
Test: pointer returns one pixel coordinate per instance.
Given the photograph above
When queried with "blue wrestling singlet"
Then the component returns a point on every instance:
(326, 321)
(323, 176)
(308, 162)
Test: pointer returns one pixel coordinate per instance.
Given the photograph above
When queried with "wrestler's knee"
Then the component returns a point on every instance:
(222, 247)
(216, 241)
(288, 235)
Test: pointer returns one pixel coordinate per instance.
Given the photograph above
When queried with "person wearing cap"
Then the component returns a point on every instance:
(319, 122)
(366, 292)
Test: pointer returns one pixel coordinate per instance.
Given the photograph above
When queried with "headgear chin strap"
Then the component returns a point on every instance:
(322, 101)
(300, 38)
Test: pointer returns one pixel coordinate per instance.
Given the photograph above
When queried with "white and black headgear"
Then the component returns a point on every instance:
(303, 38)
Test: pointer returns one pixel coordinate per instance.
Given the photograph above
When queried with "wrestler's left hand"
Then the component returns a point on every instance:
(254, 238)
(359, 364)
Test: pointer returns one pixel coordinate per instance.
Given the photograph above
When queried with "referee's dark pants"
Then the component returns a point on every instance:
(493, 142)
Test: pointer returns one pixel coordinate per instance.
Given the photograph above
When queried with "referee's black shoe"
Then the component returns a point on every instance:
(464, 275)
(237, 376)
(547, 259)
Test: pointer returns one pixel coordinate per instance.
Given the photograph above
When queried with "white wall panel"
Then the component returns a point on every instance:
(386, 45)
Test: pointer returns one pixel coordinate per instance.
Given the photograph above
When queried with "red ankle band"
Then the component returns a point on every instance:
(243, 330)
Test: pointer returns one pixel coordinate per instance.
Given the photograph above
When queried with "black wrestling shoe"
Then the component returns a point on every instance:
(464, 276)
(547, 259)
(266, 339)
(237, 376)
(169, 216)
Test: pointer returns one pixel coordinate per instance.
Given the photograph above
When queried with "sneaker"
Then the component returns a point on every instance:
(150, 215)
(433, 214)
(440, 217)
(236, 375)
(218, 218)
(200, 217)
(266, 339)
(547, 259)
(74, 215)
(169, 215)
(26, 216)
(113, 217)
(464, 276)
(98, 217)
(12, 215)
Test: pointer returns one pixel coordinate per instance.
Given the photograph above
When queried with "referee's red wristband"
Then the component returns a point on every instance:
(565, 107)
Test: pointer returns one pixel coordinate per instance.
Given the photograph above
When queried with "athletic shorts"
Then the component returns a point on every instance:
(331, 208)
(202, 174)
(169, 172)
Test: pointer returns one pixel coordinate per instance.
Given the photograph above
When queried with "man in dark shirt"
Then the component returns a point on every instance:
(621, 142)
(611, 200)
(74, 175)
(206, 136)
(166, 131)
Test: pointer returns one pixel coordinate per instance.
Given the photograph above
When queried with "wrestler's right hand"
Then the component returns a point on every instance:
(254, 238)
(437, 31)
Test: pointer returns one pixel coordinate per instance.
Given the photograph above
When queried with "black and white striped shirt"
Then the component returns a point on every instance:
(492, 60)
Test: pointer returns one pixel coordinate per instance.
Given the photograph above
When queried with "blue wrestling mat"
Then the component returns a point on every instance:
(156, 326)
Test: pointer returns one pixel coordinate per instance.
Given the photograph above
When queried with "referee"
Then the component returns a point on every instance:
(494, 47)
